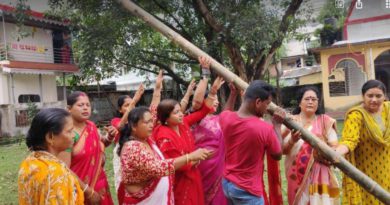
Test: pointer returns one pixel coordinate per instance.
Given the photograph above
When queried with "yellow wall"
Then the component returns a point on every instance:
(370, 51)
(310, 79)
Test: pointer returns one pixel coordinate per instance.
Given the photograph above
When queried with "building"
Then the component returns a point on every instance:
(32, 57)
(363, 54)
(297, 66)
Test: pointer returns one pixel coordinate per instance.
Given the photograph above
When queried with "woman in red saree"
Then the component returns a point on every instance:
(174, 138)
(87, 155)
(309, 180)
(146, 174)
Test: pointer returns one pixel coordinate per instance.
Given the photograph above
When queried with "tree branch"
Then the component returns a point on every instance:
(283, 28)
(169, 58)
(184, 31)
(170, 72)
(232, 48)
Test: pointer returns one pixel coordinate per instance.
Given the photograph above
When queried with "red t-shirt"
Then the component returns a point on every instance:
(246, 140)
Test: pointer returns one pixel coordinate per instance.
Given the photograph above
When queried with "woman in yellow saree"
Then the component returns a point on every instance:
(366, 143)
(43, 178)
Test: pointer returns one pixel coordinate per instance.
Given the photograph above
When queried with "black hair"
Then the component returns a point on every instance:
(164, 109)
(134, 117)
(72, 98)
(50, 120)
(302, 92)
(259, 89)
(121, 101)
(373, 84)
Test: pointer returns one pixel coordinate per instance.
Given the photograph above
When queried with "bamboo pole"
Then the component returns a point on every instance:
(364, 181)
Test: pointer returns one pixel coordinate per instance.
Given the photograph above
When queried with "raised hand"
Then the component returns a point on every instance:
(138, 94)
(159, 80)
(233, 89)
(218, 82)
(204, 62)
(191, 87)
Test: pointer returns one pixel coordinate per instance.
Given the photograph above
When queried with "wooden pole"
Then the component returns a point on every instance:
(363, 180)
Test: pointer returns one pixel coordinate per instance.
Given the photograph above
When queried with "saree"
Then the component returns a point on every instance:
(138, 166)
(45, 180)
(368, 139)
(208, 134)
(88, 162)
(310, 182)
(187, 185)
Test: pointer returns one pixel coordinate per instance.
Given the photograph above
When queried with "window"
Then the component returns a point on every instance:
(346, 79)
(29, 98)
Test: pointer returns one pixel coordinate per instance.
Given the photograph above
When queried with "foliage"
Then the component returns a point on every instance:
(333, 19)
(32, 110)
(239, 34)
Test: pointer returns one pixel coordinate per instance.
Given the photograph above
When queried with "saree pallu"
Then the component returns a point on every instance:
(310, 182)
(208, 134)
(45, 180)
(88, 163)
(158, 191)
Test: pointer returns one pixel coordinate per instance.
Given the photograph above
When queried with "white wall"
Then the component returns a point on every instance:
(370, 8)
(4, 98)
(36, 47)
(49, 88)
(29, 84)
(25, 84)
(369, 30)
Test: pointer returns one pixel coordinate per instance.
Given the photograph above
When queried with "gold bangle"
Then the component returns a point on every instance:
(186, 158)
(184, 101)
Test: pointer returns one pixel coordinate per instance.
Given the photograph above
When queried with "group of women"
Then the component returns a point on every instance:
(163, 156)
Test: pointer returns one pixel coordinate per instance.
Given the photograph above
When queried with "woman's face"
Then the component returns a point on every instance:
(144, 127)
(309, 102)
(81, 110)
(64, 139)
(125, 105)
(215, 105)
(176, 116)
(373, 99)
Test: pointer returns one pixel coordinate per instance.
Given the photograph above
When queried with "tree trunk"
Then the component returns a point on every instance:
(367, 183)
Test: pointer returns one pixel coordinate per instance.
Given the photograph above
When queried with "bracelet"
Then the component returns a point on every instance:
(85, 188)
(186, 158)
(205, 71)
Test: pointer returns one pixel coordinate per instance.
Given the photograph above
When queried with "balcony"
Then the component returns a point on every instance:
(19, 56)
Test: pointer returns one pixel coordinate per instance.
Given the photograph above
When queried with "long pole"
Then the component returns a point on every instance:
(363, 180)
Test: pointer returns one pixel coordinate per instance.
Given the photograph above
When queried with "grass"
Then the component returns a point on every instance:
(12, 155)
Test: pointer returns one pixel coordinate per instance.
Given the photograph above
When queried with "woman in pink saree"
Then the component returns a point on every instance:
(87, 156)
(208, 134)
(310, 181)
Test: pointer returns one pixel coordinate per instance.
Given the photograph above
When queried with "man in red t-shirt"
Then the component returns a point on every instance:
(247, 137)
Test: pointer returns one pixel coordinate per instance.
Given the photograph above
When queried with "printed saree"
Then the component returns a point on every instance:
(46, 180)
(310, 182)
(208, 134)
